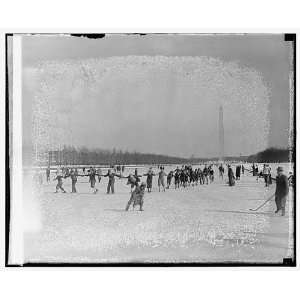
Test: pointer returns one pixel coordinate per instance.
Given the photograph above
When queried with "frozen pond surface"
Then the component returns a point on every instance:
(204, 223)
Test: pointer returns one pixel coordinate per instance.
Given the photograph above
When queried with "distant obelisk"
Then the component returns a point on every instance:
(221, 134)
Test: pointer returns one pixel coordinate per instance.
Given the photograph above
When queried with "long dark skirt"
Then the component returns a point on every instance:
(231, 181)
(149, 183)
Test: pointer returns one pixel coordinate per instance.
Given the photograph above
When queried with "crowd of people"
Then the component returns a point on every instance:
(180, 177)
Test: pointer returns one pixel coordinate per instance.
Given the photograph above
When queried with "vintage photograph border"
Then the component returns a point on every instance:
(286, 262)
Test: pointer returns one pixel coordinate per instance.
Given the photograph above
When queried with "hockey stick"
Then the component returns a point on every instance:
(255, 209)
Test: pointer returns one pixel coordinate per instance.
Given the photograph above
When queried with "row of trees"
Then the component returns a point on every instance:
(271, 155)
(83, 156)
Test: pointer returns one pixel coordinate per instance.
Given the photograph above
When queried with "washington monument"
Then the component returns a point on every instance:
(221, 134)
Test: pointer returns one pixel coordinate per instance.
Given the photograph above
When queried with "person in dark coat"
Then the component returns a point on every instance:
(211, 174)
(136, 175)
(221, 171)
(131, 180)
(238, 172)
(231, 177)
(201, 176)
(111, 181)
(205, 174)
(253, 170)
(282, 191)
(92, 179)
(48, 174)
(73, 175)
(169, 179)
(257, 171)
(149, 175)
(137, 197)
(177, 178)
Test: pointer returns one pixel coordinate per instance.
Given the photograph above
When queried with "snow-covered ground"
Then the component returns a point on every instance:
(204, 223)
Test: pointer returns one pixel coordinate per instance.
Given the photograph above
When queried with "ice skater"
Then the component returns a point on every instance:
(99, 174)
(73, 175)
(221, 171)
(111, 181)
(136, 175)
(177, 178)
(169, 179)
(92, 179)
(149, 180)
(161, 179)
(59, 177)
(238, 172)
(205, 174)
(201, 176)
(231, 178)
(211, 174)
(131, 180)
(137, 197)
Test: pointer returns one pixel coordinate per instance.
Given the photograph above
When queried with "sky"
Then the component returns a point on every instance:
(157, 93)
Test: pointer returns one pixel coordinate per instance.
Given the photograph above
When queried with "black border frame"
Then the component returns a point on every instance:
(287, 262)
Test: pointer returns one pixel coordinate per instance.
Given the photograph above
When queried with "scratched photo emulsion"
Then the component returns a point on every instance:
(151, 149)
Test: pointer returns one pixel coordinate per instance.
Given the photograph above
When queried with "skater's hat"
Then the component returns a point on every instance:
(280, 169)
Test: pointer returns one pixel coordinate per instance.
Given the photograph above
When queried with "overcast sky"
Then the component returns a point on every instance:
(157, 93)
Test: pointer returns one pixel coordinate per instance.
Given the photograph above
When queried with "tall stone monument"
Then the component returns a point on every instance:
(221, 134)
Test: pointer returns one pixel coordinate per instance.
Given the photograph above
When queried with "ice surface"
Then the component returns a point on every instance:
(204, 223)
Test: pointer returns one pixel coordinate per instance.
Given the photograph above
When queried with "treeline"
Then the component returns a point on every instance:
(226, 158)
(270, 155)
(83, 156)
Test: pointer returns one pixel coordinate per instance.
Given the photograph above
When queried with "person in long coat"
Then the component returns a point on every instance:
(253, 170)
(161, 179)
(238, 172)
(48, 174)
(282, 191)
(149, 175)
(231, 177)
